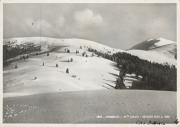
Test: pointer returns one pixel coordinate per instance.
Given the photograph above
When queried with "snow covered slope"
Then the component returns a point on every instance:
(85, 73)
(158, 50)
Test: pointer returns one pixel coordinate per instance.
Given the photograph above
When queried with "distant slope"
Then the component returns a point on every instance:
(158, 50)
(153, 43)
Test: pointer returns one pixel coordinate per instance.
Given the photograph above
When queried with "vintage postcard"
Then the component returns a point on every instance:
(95, 62)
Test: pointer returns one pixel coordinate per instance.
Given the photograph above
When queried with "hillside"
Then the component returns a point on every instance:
(85, 72)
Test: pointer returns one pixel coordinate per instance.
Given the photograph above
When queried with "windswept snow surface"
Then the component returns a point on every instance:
(100, 106)
(85, 73)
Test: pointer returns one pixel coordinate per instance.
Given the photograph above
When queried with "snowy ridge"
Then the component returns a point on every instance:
(160, 55)
(72, 43)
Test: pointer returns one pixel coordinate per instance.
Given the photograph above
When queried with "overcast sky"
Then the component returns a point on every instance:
(117, 25)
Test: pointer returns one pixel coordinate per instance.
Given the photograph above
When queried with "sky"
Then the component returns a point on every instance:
(119, 25)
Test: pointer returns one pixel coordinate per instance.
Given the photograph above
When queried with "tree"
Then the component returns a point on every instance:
(77, 51)
(120, 83)
(84, 53)
(67, 71)
(68, 51)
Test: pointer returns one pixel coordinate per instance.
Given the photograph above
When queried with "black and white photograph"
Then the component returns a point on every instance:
(89, 63)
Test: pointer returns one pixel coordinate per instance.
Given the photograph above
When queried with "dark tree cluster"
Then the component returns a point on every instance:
(13, 51)
(104, 55)
(154, 76)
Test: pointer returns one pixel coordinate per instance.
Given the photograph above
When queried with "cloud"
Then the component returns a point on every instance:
(60, 22)
(37, 25)
(87, 18)
(46, 28)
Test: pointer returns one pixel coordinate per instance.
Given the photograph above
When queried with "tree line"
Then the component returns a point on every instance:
(155, 76)
(11, 52)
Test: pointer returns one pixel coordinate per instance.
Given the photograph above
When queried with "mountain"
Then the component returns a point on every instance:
(153, 44)
(158, 50)
(160, 45)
